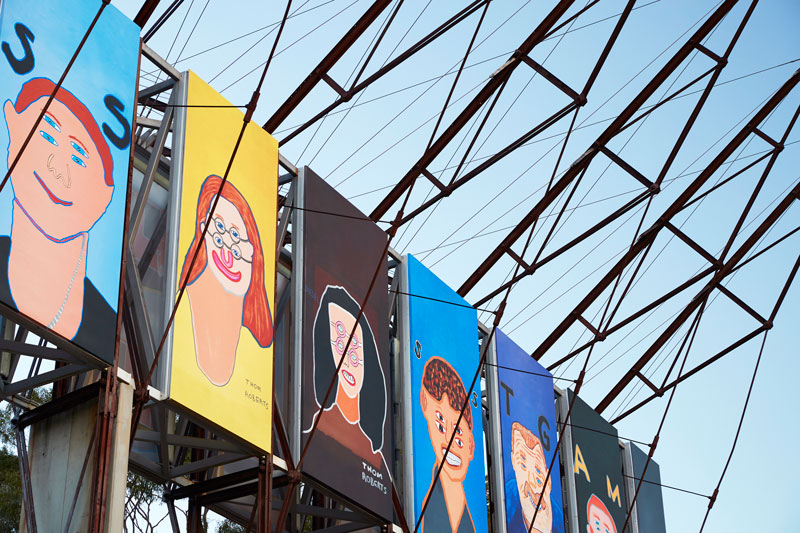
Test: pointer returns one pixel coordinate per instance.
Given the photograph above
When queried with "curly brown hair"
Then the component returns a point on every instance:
(439, 378)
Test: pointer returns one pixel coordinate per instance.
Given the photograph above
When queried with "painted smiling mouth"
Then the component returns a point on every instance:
(451, 458)
(348, 377)
(233, 276)
(55, 199)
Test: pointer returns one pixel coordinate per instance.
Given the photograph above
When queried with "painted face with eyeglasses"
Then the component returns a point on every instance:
(351, 374)
(228, 249)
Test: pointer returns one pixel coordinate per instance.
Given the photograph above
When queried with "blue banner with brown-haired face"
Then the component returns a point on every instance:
(444, 356)
(62, 212)
(529, 441)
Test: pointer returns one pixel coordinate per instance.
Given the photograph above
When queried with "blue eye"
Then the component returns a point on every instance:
(220, 226)
(78, 161)
(236, 252)
(235, 233)
(79, 149)
(218, 241)
(48, 138)
(52, 123)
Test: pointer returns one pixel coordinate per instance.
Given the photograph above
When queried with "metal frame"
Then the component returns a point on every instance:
(494, 445)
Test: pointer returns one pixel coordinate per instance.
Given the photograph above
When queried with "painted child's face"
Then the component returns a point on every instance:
(600, 521)
(530, 469)
(228, 249)
(351, 374)
(441, 420)
(59, 179)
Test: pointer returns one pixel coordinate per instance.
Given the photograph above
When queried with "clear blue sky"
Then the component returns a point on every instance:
(375, 143)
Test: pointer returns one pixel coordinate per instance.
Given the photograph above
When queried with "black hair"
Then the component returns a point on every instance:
(372, 398)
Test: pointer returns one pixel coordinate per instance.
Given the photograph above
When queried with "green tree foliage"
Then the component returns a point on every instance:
(10, 492)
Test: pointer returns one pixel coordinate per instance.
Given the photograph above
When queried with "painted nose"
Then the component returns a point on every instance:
(227, 258)
(51, 166)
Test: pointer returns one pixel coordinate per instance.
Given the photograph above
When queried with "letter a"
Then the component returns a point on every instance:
(613, 494)
(580, 464)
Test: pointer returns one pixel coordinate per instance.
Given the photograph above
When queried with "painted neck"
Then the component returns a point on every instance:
(347, 405)
(217, 323)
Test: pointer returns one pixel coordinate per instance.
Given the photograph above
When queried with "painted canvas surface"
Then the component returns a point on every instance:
(598, 471)
(351, 450)
(62, 213)
(649, 502)
(222, 341)
(444, 358)
(529, 440)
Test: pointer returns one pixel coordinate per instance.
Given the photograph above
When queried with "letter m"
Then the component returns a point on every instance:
(613, 494)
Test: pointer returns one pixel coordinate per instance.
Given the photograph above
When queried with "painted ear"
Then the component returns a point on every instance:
(202, 226)
(12, 118)
(423, 400)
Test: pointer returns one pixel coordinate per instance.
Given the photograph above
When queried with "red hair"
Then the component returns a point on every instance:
(39, 87)
(257, 316)
(597, 502)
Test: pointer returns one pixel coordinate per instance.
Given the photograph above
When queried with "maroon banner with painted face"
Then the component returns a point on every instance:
(351, 451)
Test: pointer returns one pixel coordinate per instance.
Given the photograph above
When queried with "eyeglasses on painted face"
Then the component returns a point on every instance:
(236, 238)
(341, 341)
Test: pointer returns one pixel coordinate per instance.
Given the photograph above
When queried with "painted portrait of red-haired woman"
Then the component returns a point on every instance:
(226, 285)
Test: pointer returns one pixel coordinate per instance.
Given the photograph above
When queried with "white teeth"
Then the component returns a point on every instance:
(452, 460)
(350, 379)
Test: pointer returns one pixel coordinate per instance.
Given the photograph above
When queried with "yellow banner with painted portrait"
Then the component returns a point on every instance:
(222, 352)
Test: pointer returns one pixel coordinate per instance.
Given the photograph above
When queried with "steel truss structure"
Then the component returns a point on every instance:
(217, 471)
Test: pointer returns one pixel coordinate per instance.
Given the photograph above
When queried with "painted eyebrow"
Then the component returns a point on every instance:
(48, 114)
(80, 143)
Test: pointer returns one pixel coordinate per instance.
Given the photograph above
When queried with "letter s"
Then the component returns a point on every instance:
(26, 37)
(116, 107)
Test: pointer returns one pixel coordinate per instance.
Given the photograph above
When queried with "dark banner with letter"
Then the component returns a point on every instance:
(529, 441)
(444, 357)
(600, 490)
(62, 213)
(351, 450)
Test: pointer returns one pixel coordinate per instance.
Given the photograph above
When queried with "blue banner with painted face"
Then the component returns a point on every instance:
(444, 358)
(62, 212)
(528, 436)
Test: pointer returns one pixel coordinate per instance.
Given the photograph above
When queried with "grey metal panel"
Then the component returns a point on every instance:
(569, 465)
(298, 282)
(494, 444)
(404, 336)
(630, 485)
(173, 220)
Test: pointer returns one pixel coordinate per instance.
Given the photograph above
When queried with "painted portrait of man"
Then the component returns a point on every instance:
(63, 208)
(530, 470)
(600, 520)
(442, 397)
(62, 185)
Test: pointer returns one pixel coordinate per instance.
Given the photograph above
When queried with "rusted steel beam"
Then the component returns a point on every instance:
(498, 79)
(145, 12)
(321, 70)
(695, 303)
(586, 158)
(676, 207)
(388, 67)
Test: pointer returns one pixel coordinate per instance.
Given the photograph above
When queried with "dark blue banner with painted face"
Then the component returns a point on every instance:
(62, 213)
(599, 486)
(529, 441)
(444, 357)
